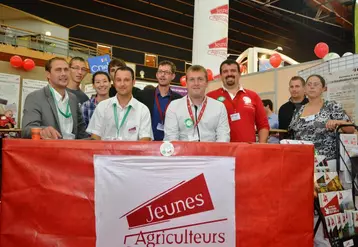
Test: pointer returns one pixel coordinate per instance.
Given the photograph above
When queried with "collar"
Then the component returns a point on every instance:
(114, 100)
(305, 100)
(240, 89)
(93, 100)
(58, 96)
(158, 93)
(191, 103)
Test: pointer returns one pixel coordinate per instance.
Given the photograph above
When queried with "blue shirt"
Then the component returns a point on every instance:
(88, 108)
(273, 122)
(156, 119)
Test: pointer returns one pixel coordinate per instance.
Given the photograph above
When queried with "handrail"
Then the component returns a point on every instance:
(51, 44)
(55, 37)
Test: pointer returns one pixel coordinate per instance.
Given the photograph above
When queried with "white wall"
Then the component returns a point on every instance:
(39, 27)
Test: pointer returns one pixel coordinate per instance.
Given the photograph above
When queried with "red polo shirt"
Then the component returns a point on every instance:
(251, 110)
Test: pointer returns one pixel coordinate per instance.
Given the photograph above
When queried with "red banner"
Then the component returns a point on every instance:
(48, 190)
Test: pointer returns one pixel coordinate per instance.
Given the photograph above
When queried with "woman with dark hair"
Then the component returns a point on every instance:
(318, 119)
(101, 83)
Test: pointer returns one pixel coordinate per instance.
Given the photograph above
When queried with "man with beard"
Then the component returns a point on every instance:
(157, 99)
(52, 108)
(244, 107)
(78, 71)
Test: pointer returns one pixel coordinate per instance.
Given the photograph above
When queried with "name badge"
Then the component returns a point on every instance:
(192, 138)
(132, 130)
(235, 117)
(310, 118)
(160, 127)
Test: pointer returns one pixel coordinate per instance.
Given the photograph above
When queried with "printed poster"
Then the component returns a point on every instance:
(146, 201)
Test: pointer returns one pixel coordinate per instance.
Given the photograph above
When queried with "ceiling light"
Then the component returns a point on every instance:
(48, 33)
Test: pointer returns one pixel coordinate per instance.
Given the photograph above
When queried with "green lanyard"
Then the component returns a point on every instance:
(68, 113)
(123, 119)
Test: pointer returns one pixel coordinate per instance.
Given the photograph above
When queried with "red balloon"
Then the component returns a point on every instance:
(275, 60)
(210, 74)
(16, 61)
(241, 68)
(183, 81)
(29, 64)
(321, 49)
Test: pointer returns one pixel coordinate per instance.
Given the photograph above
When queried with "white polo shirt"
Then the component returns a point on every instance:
(213, 126)
(136, 125)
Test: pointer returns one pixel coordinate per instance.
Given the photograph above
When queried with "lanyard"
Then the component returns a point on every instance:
(201, 111)
(68, 113)
(161, 114)
(119, 126)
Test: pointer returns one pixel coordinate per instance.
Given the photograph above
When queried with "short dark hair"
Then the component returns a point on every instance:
(268, 102)
(173, 68)
(323, 81)
(197, 68)
(150, 86)
(100, 73)
(116, 62)
(229, 62)
(48, 64)
(81, 59)
(298, 78)
(125, 68)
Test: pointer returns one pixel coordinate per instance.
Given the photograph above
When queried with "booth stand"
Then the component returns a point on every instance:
(48, 191)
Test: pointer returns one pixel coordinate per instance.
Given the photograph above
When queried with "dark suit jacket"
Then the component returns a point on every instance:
(40, 111)
(146, 96)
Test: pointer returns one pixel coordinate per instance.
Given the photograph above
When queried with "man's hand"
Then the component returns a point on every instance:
(49, 133)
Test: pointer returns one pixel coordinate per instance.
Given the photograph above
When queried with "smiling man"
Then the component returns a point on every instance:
(78, 71)
(121, 117)
(244, 107)
(52, 108)
(196, 117)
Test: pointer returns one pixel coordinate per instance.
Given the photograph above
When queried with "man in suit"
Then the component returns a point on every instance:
(157, 99)
(52, 108)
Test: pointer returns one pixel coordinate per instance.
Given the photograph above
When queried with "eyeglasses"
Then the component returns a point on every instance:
(164, 72)
(85, 70)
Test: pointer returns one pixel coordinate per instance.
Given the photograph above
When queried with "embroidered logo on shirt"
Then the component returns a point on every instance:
(247, 100)
(188, 122)
(134, 129)
(221, 98)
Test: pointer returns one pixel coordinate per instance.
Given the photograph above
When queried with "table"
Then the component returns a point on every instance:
(48, 190)
(10, 133)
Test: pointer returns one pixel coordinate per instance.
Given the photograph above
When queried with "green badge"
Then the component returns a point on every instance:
(188, 122)
(221, 98)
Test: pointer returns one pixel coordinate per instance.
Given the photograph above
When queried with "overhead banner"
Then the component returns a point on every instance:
(184, 207)
(210, 38)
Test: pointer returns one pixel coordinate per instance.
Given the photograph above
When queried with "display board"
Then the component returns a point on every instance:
(341, 77)
(10, 94)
